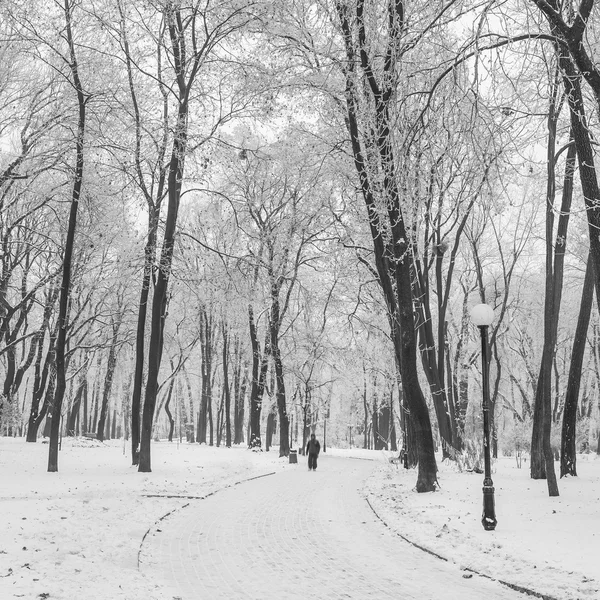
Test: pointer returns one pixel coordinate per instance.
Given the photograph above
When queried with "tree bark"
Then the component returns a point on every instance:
(154, 204)
(108, 381)
(40, 377)
(65, 290)
(585, 153)
(240, 382)
(79, 394)
(429, 359)
(259, 374)
(205, 425)
(392, 423)
(226, 388)
(186, 69)
(568, 447)
(375, 422)
(271, 419)
(168, 410)
(44, 380)
(392, 261)
(159, 301)
(366, 412)
(189, 426)
(140, 338)
(542, 458)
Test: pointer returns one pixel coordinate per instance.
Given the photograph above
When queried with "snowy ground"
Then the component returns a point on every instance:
(77, 533)
(549, 545)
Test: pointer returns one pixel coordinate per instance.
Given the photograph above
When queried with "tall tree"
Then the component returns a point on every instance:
(573, 51)
(542, 460)
(63, 311)
(149, 177)
(194, 34)
(370, 82)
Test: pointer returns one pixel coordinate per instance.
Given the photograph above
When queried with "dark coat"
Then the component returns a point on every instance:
(313, 447)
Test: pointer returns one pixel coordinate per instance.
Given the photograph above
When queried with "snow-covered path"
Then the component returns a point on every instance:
(298, 534)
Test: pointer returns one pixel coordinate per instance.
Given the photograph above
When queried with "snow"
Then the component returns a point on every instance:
(545, 544)
(77, 533)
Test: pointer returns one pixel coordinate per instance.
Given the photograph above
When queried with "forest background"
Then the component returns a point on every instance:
(238, 223)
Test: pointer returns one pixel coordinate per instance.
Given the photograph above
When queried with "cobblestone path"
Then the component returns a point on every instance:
(299, 534)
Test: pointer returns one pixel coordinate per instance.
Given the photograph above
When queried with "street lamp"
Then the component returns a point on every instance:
(482, 315)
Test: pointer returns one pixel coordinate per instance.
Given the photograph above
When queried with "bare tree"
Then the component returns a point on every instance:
(194, 34)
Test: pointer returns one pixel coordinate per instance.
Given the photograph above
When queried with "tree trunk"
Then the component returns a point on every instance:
(392, 422)
(108, 381)
(284, 421)
(211, 431)
(429, 359)
(205, 420)
(409, 446)
(203, 411)
(140, 337)
(84, 420)
(153, 204)
(383, 427)
(36, 417)
(220, 419)
(79, 394)
(366, 412)
(568, 448)
(585, 156)
(159, 301)
(168, 410)
(126, 406)
(375, 421)
(95, 400)
(177, 38)
(259, 374)
(393, 260)
(226, 389)
(65, 290)
(40, 378)
(542, 457)
(189, 425)
(269, 431)
(14, 375)
(113, 425)
(305, 422)
(240, 379)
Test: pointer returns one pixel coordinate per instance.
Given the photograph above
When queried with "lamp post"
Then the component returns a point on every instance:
(482, 315)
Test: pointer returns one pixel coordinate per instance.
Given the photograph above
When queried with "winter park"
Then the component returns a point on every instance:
(299, 299)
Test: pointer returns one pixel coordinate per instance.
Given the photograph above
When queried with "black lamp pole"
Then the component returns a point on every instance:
(404, 435)
(489, 512)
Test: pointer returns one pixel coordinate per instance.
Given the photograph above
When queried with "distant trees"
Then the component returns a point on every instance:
(278, 196)
(306, 198)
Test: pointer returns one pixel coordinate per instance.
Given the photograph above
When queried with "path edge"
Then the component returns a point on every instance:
(513, 586)
(177, 508)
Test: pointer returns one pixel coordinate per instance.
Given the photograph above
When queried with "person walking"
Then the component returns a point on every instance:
(313, 448)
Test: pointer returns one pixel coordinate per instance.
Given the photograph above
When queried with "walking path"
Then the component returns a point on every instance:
(299, 534)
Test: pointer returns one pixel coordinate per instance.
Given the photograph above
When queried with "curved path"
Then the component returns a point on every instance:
(299, 534)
